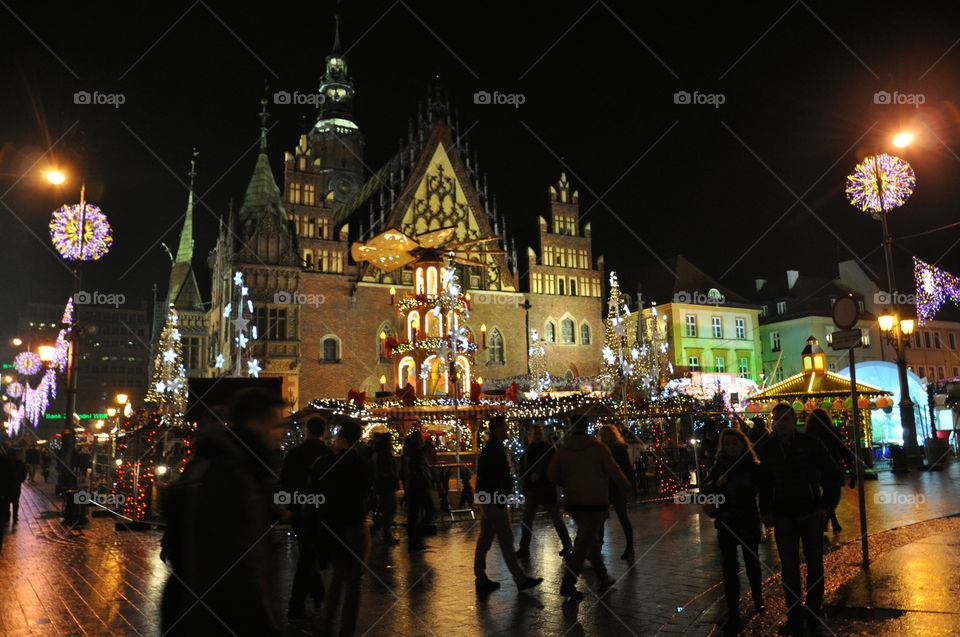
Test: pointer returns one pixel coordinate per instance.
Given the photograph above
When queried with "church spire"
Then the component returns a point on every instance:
(183, 291)
(336, 35)
(185, 249)
(264, 115)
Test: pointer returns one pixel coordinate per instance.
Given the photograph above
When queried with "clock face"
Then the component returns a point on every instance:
(343, 187)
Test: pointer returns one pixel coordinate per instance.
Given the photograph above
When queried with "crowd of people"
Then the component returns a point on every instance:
(340, 495)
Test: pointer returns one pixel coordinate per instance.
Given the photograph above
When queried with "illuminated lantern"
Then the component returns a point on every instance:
(814, 360)
(826, 405)
(810, 406)
(838, 404)
(797, 406)
(863, 402)
(848, 403)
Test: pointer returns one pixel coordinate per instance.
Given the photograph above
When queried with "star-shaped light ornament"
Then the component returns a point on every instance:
(241, 323)
(175, 335)
(608, 355)
(169, 356)
(620, 329)
(238, 278)
(242, 339)
(253, 367)
(220, 361)
(161, 387)
(227, 310)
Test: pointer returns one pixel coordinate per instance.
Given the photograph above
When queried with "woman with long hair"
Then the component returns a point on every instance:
(610, 436)
(821, 427)
(734, 476)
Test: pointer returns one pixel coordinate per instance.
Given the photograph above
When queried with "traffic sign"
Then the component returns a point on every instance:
(846, 312)
(846, 339)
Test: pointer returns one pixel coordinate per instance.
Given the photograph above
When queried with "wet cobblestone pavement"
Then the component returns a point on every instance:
(98, 581)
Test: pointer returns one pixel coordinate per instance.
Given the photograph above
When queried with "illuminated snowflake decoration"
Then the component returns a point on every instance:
(220, 361)
(253, 367)
(66, 234)
(880, 183)
(27, 363)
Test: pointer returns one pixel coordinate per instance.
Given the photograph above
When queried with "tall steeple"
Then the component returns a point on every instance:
(183, 291)
(336, 91)
(262, 198)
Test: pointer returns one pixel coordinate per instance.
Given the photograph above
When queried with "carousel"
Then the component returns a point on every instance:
(817, 388)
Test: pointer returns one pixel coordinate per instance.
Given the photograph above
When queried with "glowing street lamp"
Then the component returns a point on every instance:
(47, 353)
(17, 342)
(902, 140)
(122, 399)
(55, 177)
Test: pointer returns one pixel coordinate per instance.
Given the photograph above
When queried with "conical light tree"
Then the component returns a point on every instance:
(654, 365)
(618, 363)
(168, 390)
(539, 376)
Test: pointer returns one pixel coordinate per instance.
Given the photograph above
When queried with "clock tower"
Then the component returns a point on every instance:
(325, 170)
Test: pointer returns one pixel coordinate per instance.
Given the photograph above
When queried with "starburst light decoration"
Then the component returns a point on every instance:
(66, 235)
(27, 363)
(880, 183)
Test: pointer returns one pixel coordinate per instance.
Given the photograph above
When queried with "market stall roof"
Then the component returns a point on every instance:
(814, 385)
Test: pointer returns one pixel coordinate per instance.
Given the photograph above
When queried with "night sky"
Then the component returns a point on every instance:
(798, 83)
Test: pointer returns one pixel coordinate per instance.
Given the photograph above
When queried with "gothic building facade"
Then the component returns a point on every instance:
(321, 317)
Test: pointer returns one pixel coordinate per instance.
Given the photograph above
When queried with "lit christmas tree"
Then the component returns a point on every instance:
(169, 387)
(654, 366)
(539, 376)
(618, 363)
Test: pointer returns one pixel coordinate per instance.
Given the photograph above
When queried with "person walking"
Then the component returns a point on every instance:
(494, 490)
(610, 436)
(46, 459)
(218, 516)
(539, 492)
(734, 480)
(799, 484)
(33, 461)
(386, 483)
(341, 484)
(294, 475)
(583, 467)
(417, 490)
(821, 427)
(16, 486)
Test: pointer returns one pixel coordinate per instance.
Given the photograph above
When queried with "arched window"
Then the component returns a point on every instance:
(308, 259)
(431, 281)
(408, 372)
(419, 287)
(550, 333)
(560, 281)
(566, 331)
(330, 349)
(585, 334)
(573, 287)
(413, 325)
(495, 346)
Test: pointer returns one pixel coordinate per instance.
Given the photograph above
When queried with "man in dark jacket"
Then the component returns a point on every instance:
(799, 484)
(583, 467)
(341, 483)
(218, 519)
(538, 492)
(8, 487)
(293, 476)
(386, 483)
(494, 490)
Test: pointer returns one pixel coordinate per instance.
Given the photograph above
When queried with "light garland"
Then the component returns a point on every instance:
(65, 232)
(444, 301)
(430, 344)
(934, 287)
(880, 183)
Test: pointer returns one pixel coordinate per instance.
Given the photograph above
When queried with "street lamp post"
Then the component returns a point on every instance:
(897, 331)
(879, 184)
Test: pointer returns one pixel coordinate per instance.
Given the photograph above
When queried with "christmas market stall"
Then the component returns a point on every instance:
(815, 387)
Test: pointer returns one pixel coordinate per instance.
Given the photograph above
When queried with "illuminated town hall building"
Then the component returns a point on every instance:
(324, 322)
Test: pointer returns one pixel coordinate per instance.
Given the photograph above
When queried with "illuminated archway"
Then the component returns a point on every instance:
(413, 324)
(407, 372)
(419, 285)
(432, 280)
